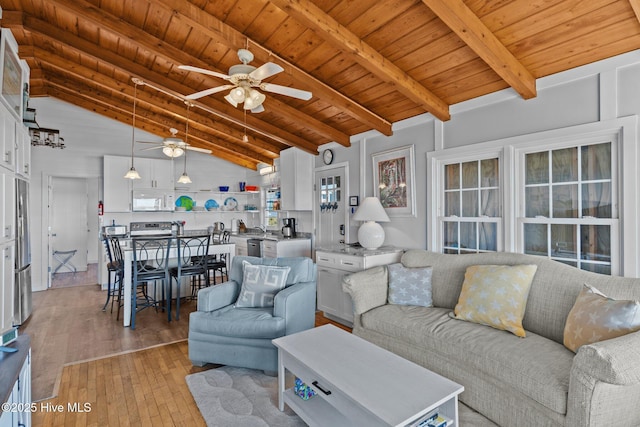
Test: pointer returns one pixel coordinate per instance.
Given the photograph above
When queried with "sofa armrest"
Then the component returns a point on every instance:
(296, 304)
(218, 296)
(613, 361)
(368, 288)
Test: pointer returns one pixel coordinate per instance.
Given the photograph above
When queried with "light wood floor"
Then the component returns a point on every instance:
(145, 387)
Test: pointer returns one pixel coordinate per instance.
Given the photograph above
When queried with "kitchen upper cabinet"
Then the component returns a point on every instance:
(117, 189)
(296, 180)
(7, 209)
(23, 151)
(7, 139)
(154, 173)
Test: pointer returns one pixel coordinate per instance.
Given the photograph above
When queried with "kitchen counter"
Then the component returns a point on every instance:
(277, 236)
(358, 250)
(11, 364)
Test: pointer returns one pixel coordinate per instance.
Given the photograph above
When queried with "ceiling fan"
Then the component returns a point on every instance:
(244, 78)
(173, 146)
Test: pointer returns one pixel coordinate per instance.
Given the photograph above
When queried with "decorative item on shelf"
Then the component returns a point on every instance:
(133, 173)
(42, 137)
(185, 202)
(251, 187)
(184, 178)
(371, 234)
(211, 205)
(242, 185)
(223, 188)
(231, 204)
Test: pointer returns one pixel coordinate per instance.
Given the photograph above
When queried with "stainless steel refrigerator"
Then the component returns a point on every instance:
(22, 302)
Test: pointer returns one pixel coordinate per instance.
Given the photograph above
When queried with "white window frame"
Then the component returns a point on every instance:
(623, 130)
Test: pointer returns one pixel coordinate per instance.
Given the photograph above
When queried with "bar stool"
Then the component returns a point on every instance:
(217, 263)
(192, 262)
(64, 260)
(116, 269)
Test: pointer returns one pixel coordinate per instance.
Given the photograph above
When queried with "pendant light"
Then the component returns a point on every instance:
(184, 178)
(133, 173)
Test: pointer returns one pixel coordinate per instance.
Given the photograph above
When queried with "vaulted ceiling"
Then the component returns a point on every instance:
(368, 63)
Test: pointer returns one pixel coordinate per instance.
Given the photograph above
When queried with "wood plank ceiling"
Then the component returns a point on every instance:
(368, 63)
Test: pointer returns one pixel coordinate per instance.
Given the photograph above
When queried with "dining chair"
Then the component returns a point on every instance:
(218, 263)
(115, 269)
(192, 262)
(150, 264)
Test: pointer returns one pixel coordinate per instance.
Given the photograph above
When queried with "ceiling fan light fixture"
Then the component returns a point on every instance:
(254, 100)
(238, 94)
(172, 151)
(230, 100)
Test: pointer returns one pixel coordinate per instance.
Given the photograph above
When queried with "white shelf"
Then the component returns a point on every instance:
(231, 193)
(316, 411)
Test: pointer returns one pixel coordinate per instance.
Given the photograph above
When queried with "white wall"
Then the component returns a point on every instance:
(595, 92)
(89, 136)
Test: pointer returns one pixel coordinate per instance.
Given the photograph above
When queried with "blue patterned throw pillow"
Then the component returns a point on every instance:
(409, 286)
(260, 284)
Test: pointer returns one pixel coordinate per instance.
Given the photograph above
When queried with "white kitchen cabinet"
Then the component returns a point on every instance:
(7, 209)
(242, 248)
(286, 248)
(7, 251)
(23, 151)
(154, 173)
(296, 180)
(117, 189)
(7, 139)
(335, 263)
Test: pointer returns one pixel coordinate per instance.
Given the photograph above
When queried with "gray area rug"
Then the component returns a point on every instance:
(239, 397)
(233, 397)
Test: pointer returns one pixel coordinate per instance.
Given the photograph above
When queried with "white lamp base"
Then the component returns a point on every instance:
(371, 235)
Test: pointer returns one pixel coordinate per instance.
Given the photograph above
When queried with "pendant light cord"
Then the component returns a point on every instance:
(133, 123)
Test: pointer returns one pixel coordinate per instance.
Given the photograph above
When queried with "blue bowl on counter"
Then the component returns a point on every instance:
(224, 188)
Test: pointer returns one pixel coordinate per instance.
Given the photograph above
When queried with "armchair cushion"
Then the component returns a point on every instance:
(238, 322)
(260, 284)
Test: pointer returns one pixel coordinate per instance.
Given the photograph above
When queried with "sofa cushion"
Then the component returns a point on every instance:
(238, 322)
(594, 318)
(496, 295)
(260, 284)
(536, 366)
(409, 286)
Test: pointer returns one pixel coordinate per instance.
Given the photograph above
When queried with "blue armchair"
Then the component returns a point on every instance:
(220, 332)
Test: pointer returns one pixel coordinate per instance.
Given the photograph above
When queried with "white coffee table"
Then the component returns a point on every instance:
(358, 383)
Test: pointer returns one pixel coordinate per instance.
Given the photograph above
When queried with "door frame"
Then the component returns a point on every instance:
(47, 180)
(315, 209)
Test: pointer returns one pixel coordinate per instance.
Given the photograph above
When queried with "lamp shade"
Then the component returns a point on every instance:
(371, 210)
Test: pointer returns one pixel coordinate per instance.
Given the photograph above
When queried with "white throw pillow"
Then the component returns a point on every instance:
(409, 286)
(260, 284)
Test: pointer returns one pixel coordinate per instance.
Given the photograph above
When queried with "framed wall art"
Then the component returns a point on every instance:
(394, 181)
(11, 74)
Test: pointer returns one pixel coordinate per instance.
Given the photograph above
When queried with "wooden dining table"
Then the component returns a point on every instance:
(227, 249)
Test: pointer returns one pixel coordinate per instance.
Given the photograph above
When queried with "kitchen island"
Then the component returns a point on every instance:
(274, 244)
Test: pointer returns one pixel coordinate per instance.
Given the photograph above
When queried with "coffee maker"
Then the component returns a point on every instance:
(289, 229)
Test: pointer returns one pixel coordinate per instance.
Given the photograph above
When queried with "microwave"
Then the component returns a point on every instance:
(153, 200)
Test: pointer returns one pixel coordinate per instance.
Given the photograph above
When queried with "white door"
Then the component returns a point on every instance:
(330, 206)
(68, 221)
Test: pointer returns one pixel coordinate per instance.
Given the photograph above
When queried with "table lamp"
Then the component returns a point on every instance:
(371, 234)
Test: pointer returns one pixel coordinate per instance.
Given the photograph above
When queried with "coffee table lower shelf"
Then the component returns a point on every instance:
(316, 411)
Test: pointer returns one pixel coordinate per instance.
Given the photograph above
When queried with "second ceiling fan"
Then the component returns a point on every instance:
(244, 79)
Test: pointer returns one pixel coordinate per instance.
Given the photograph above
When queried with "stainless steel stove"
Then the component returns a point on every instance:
(161, 228)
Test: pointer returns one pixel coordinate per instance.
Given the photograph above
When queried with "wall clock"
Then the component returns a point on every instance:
(327, 157)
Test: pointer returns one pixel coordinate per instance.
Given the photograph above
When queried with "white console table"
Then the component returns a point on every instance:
(358, 383)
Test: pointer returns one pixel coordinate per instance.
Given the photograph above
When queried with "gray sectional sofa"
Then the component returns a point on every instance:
(532, 381)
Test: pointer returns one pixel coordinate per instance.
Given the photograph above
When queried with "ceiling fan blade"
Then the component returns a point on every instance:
(151, 148)
(207, 92)
(258, 109)
(266, 70)
(149, 142)
(285, 90)
(203, 71)
(199, 150)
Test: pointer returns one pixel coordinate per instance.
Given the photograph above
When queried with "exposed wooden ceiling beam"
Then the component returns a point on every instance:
(150, 118)
(171, 54)
(217, 30)
(635, 5)
(312, 16)
(12, 19)
(219, 130)
(462, 21)
(152, 122)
